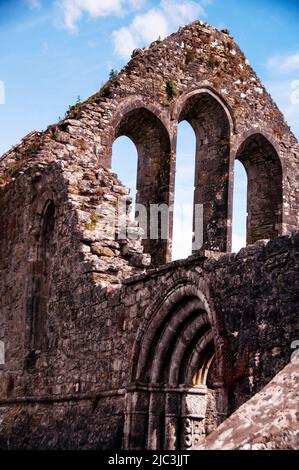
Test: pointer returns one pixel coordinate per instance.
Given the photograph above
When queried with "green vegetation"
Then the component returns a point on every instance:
(253, 235)
(75, 107)
(213, 62)
(13, 169)
(4, 179)
(113, 74)
(92, 225)
(103, 92)
(190, 56)
(156, 42)
(171, 89)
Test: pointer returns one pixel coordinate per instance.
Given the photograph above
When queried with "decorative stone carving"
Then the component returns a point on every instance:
(196, 405)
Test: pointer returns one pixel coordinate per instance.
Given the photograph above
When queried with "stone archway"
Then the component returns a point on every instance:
(154, 186)
(264, 197)
(212, 125)
(172, 381)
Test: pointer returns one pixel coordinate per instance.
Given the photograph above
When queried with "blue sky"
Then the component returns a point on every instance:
(53, 51)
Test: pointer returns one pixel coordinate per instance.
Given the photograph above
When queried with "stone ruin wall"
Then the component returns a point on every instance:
(74, 395)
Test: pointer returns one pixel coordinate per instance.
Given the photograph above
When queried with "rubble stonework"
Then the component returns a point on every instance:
(106, 343)
(268, 421)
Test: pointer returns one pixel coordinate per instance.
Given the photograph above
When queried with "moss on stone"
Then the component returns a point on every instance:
(171, 89)
(92, 225)
(14, 168)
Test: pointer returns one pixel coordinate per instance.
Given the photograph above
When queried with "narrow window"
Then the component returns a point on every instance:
(153, 171)
(124, 163)
(239, 207)
(184, 192)
(264, 200)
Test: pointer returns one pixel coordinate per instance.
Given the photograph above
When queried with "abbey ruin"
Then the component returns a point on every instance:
(106, 343)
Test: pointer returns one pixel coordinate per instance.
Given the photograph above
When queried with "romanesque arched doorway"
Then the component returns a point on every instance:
(171, 402)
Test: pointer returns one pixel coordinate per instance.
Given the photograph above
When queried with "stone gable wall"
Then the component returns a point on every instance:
(72, 390)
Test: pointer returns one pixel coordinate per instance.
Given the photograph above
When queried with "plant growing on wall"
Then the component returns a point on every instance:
(113, 74)
(190, 56)
(171, 89)
(213, 62)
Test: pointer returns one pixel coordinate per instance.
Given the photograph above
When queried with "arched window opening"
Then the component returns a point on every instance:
(41, 280)
(124, 163)
(239, 225)
(184, 192)
(212, 129)
(264, 171)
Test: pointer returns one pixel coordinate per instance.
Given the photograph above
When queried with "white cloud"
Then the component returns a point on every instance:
(150, 25)
(283, 84)
(158, 21)
(144, 28)
(124, 41)
(285, 64)
(181, 12)
(136, 4)
(74, 9)
(283, 93)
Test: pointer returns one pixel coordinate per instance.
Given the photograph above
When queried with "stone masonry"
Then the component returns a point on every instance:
(106, 343)
(268, 421)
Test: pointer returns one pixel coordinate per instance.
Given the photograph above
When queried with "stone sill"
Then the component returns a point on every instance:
(201, 255)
